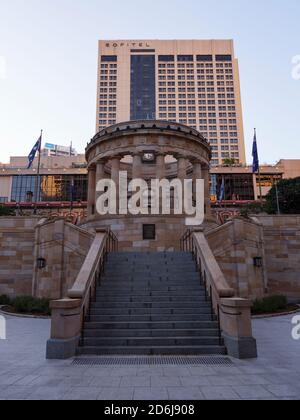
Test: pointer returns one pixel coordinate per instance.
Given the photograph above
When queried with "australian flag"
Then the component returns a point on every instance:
(33, 152)
(255, 166)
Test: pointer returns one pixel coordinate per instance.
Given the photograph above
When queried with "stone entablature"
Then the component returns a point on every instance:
(129, 139)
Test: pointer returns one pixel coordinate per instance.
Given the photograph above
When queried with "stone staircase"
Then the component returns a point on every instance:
(151, 304)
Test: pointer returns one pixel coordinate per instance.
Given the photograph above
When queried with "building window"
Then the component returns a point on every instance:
(109, 58)
(224, 57)
(54, 188)
(143, 98)
(166, 58)
(204, 58)
(185, 58)
(238, 187)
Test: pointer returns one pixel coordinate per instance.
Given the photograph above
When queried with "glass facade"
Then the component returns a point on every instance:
(23, 186)
(143, 98)
(238, 187)
(52, 188)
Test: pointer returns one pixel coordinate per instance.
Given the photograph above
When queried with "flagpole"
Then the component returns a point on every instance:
(259, 174)
(37, 187)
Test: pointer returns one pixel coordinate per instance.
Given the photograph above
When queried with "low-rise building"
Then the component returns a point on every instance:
(63, 179)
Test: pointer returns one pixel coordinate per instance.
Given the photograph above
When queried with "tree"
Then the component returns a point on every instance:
(229, 161)
(6, 211)
(288, 197)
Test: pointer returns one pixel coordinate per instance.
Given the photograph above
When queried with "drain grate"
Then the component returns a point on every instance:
(162, 360)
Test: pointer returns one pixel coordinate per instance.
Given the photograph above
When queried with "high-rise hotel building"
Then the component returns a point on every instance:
(191, 82)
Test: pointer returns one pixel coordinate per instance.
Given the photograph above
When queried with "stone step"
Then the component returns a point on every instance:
(157, 325)
(143, 263)
(150, 341)
(158, 279)
(151, 351)
(150, 318)
(166, 254)
(125, 299)
(159, 289)
(150, 311)
(150, 284)
(105, 333)
(151, 264)
(151, 276)
(154, 296)
(149, 272)
(149, 305)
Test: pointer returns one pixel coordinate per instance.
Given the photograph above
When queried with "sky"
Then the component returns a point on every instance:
(48, 64)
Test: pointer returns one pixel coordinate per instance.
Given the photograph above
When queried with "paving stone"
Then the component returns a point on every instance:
(253, 392)
(149, 394)
(105, 381)
(254, 380)
(219, 393)
(165, 381)
(50, 393)
(191, 381)
(135, 381)
(150, 371)
(176, 371)
(185, 393)
(116, 394)
(10, 379)
(283, 390)
(225, 380)
(83, 393)
(15, 392)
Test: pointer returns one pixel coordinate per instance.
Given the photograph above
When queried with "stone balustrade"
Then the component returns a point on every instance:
(234, 313)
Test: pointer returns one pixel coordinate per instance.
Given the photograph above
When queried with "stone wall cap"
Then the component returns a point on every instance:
(236, 302)
(65, 303)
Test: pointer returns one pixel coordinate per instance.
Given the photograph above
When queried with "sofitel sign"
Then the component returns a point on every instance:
(127, 44)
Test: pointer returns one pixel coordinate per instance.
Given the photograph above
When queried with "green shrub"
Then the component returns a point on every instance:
(30, 305)
(270, 305)
(288, 194)
(6, 211)
(4, 300)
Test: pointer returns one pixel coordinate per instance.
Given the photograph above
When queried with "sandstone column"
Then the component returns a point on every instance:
(100, 174)
(197, 174)
(100, 171)
(91, 191)
(197, 170)
(115, 169)
(160, 166)
(182, 166)
(206, 177)
(115, 172)
(137, 166)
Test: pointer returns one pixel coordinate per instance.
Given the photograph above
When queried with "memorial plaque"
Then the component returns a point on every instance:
(149, 232)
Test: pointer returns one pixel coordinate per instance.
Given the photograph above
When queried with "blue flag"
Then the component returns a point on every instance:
(222, 191)
(33, 152)
(255, 167)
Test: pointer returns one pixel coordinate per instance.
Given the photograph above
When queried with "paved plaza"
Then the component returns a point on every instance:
(26, 374)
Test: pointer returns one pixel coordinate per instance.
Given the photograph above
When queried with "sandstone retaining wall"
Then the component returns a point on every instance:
(235, 245)
(282, 253)
(16, 255)
(64, 247)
